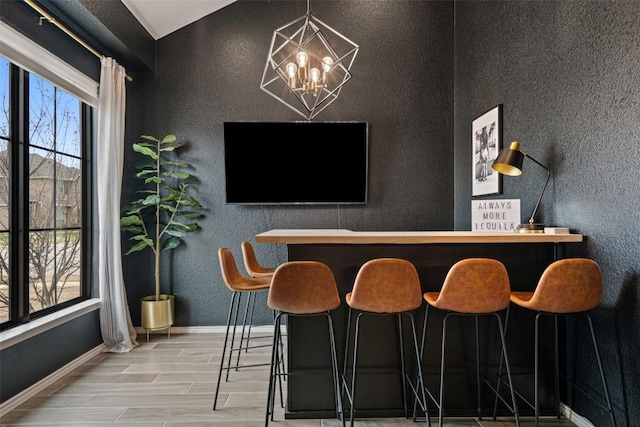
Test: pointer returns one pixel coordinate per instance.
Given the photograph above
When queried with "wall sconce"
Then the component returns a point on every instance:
(509, 162)
(307, 68)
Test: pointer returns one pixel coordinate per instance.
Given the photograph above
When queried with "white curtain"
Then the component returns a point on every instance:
(118, 333)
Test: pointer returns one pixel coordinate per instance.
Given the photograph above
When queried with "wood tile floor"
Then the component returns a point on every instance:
(170, 382)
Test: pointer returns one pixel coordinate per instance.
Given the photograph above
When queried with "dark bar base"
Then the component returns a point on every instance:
(378, 387)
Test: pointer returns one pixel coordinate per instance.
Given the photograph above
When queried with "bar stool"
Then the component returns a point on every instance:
(302, 288)
(385, 286)
(251, 264)
(566, 287)
(256, 270)
(238, 285)
(473, 287)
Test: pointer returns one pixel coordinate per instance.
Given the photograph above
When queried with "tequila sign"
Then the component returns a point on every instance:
(495, 215)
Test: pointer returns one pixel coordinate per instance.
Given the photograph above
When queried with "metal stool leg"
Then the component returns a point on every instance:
(504, 356)
(273, 371)
(402, 365)
(478, 401)
(334, 368)
(354, 369)
(604, 381)
(343, 389)
(224, 348)
(442, 359)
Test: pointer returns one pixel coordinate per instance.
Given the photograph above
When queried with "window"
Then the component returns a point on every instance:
(45, 137)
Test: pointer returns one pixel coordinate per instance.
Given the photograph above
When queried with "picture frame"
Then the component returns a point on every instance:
(486, 142)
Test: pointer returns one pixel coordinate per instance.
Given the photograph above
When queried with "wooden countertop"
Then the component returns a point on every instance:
(342, 236)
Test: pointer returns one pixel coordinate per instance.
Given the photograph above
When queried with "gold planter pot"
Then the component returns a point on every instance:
(157, 314)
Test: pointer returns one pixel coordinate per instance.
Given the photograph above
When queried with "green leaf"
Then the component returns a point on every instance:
(143, 238)
(185, 227)
(146, 164)
(137, 247)
(134, 229)
(177, 174)
(126, 221)
(153, 179)
(142, 173)
(150, 138)
(171, 243)
(174, 232)
(138, 148)
(178, 164)
(170, 146)
(168, 139)
(152, 199)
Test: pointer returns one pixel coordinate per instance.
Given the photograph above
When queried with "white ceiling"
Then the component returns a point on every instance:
(162, 17)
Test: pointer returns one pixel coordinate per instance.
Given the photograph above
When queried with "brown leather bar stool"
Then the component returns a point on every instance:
(473, 287)
(256, 270)
(238, 285)
(384, 286)
(566, 287)
(251, 264)
(302, 288)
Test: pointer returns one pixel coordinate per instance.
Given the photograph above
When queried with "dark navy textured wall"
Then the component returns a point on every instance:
(24, 364)
(210, 72)
(567, 75)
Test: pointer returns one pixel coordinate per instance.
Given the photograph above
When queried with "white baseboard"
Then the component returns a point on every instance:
(573, 417)
(28, 393)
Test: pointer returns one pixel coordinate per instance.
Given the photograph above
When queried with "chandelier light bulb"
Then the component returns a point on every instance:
(302, 58)
(327, 62)
(291, 69)
(315, 75)
(291, 72)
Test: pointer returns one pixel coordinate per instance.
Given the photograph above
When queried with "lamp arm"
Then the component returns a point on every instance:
(531, 220)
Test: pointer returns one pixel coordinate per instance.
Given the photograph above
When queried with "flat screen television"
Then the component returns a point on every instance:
(295, 163)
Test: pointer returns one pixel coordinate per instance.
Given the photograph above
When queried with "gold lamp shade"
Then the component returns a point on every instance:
(509, 162)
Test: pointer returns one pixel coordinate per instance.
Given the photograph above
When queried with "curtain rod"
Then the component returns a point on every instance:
(45, 15)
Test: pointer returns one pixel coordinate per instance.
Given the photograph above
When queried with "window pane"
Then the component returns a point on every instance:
(67, 138)
(54, 268)
(42, 112)
(4, 97)
(67, 192)
(4, 277)
(41, 188)
(4, 233)
(4, 191)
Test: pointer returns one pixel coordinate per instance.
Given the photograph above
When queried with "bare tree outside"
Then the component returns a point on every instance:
(54, 199)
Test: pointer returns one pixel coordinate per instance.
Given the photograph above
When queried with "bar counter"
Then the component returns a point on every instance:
(342, 236)
(309, 391)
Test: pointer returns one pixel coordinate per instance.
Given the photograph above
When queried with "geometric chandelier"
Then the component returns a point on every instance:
(306, 67)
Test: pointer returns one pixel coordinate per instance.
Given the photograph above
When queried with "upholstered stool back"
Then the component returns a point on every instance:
(303, 287)
(473, 285)
(232, 277)
(566, 286)
(251, 264)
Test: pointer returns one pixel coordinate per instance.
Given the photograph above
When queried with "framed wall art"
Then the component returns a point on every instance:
(486, 142)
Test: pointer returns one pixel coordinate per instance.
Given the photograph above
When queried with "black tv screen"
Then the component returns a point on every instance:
(296, 163)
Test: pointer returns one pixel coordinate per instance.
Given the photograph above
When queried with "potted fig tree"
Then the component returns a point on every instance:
(159, 220)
